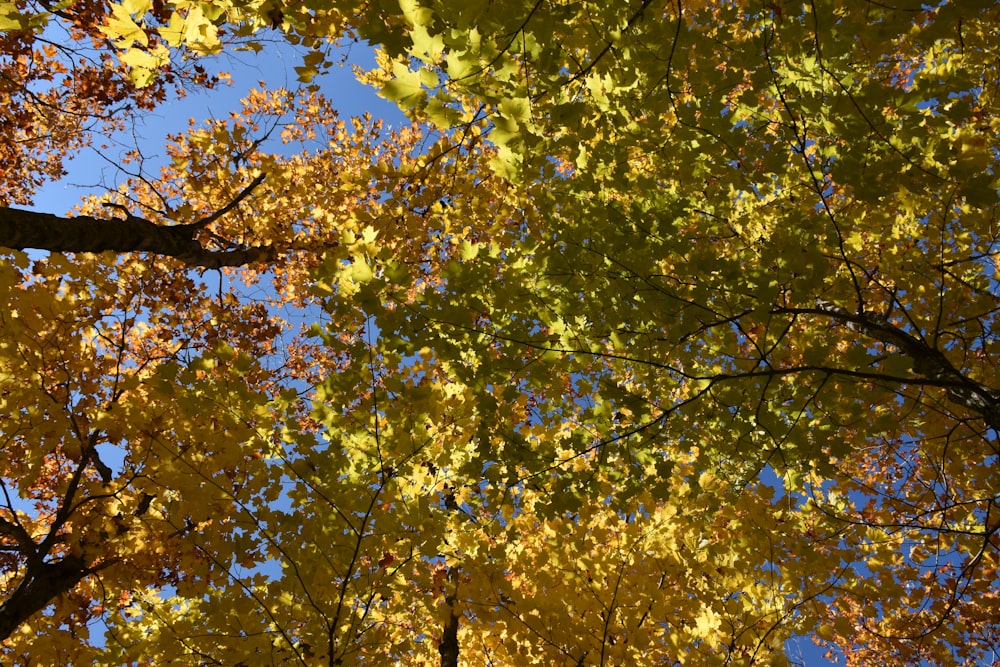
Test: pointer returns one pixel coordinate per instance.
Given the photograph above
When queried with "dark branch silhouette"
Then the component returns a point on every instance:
(21, 229)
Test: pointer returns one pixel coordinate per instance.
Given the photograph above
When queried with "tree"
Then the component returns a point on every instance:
(667, 334)
(787, 213)
(61, 83)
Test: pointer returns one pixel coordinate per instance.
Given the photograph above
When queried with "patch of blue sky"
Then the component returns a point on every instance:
(99, 167)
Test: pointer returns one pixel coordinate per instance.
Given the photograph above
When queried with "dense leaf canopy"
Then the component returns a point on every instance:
(667, 333)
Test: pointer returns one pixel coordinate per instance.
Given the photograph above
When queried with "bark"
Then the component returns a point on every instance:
(21, 229)
(42, 583)
(448, 649)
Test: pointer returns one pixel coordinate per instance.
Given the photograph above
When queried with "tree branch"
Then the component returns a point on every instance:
(204, 222)
(21, 229)
(41, 584)
(928, 361)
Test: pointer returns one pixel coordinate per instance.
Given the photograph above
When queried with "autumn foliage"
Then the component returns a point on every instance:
(664, 335)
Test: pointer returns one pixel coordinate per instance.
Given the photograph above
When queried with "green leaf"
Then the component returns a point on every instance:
(405, 87)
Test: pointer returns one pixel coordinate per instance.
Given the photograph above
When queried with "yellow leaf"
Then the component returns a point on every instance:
(137, 7)
(200, 33)
(173, 32)
(123, 30)
(145, 63)
(361, 272)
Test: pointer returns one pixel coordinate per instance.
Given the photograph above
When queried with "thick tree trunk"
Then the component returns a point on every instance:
(21, 229)
(448, 649)
(40, 586)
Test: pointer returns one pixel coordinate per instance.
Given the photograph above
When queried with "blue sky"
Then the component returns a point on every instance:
(274, 66)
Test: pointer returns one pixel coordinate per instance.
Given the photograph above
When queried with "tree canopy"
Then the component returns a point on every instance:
(665, 334)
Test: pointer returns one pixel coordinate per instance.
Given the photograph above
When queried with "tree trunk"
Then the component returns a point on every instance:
(40, 586)
(448, 649)
(21, 229)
